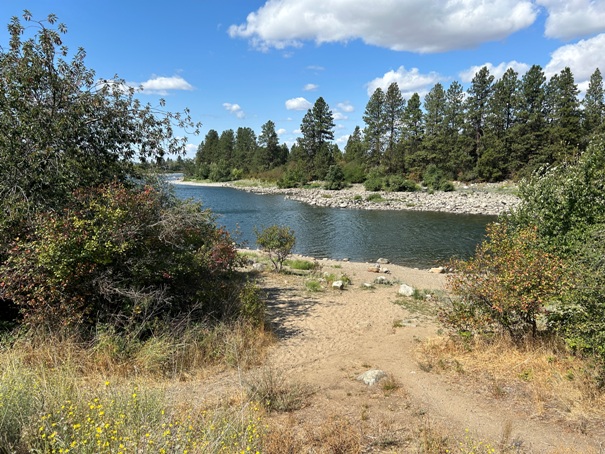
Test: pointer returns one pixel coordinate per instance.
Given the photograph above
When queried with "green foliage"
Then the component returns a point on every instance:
(305, 265)
(121, 256)
(292, 178)
(374, 197)
(278, 242)
(396, 183)
(373, 184)
(562, 201)
(335, 178)
(61, 128)
(436, 179)
(507, 284)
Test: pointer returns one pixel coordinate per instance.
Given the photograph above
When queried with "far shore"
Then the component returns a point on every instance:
(482, 199)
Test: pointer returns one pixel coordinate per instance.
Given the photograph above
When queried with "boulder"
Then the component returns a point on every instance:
(382, 280)
(338, 285)
(374, 269)
(438, 270)
(259, 266)
(383, 261)
(406, 290)
(371, 377)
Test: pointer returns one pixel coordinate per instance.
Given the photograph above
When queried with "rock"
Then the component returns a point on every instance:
(259, 266)
(371, 377)
(406, 290)
(382, 281)
(368, 285)
(338, 285)
(374, 269)
(346, 259)
(438, 270)
(385, 270)
(382, 261)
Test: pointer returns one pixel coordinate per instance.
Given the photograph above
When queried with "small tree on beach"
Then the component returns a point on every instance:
(278, 242)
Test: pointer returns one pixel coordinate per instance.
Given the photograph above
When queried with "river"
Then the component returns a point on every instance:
(409, 238)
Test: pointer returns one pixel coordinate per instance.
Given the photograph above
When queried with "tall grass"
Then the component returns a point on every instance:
(61, 395)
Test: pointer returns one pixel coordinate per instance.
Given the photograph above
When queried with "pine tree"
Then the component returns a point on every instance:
(528, 134)
(456, 144)
(563, 115)
(317, 128)
(393, 109)
(493, 164)
(479, 94)
(434, 144)
(375, 130)
(269, 151)
(245, 148)
(594, 105)
(413, 131)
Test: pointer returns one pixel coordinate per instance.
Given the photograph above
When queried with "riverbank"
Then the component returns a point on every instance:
(484, 198)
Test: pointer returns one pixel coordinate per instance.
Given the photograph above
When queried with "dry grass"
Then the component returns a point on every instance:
(539, 375)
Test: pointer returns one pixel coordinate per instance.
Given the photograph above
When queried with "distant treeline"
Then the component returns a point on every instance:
(497, 129)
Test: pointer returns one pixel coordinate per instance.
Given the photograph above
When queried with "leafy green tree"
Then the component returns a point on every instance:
(278, 242)
(335, 178)
(61, 128)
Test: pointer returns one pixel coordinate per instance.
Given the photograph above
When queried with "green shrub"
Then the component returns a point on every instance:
(335, 178)
(278, 242)
(373, 184)
(305, 265)
(435, 179)
(507, 284)
(121, 256)
(396, 183)
(374, 197)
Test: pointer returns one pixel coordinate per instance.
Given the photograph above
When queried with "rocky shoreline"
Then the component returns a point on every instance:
(486, 199)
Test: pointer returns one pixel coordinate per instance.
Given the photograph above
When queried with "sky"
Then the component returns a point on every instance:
(240, 63)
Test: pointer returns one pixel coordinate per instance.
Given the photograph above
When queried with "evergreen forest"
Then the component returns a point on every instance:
(495, 130)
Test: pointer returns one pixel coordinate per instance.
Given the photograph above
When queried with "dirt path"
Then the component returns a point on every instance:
(327, 338)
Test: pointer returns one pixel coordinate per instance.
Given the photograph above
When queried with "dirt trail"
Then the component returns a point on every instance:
(327, 338)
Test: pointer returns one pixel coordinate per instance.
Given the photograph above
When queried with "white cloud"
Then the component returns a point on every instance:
(161, 85)
(296, 131)
(413, 25)
(409, 82)
(582, 58)
(281, 131)
(235, 109)
(342, 140)
(573, 18)
(316, 68)
(311, 87)
(496, 71)
(190, 150)
(338, 116)
(345, 106)
(298, 104)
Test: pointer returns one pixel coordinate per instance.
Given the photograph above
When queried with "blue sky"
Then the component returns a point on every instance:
(243, 62)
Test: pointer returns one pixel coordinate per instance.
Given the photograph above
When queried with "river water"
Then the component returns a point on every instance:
(410, 238)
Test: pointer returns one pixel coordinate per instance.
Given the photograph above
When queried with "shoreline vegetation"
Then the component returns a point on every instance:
(490, 199)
